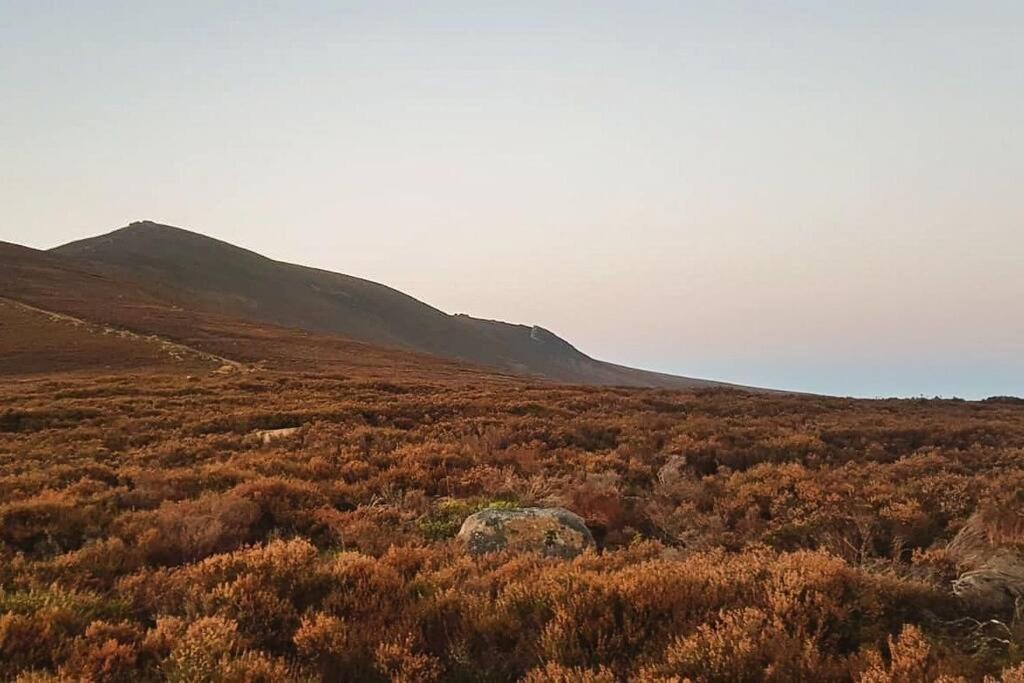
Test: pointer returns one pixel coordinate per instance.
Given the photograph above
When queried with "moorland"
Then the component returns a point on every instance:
(189, 496)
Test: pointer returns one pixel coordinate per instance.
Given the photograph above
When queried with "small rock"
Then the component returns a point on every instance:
(673, 470)
(552, 532)
(269, 436)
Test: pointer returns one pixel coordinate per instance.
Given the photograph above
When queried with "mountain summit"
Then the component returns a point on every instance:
(229, 280)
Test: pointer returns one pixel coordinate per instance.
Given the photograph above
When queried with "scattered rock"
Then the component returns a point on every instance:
(552, 532)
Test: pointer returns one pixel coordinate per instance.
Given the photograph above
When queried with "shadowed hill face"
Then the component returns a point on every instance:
(45, 279)
(236, 281)
(232, 281)
(57, 314)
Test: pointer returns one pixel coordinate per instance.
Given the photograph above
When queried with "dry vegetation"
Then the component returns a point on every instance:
(147, 531)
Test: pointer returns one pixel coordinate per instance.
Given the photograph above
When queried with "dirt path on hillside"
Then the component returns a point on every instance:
(173, 349)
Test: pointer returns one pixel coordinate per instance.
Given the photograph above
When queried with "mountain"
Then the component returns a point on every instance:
(197, 270)
(58, 315)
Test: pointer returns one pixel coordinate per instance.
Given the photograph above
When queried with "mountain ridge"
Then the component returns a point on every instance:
(232, 280)
(121, 321)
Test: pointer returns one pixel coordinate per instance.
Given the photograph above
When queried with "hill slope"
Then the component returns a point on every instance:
(58, 314)
(232, 281)
(35, 341)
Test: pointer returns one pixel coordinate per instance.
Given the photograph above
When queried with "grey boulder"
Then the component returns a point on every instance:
(551, 532)
(993, 570)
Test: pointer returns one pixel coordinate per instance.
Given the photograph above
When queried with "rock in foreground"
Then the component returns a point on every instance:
(990, 550)
(552, 532)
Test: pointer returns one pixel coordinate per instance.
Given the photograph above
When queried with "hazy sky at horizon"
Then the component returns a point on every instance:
(817, 196)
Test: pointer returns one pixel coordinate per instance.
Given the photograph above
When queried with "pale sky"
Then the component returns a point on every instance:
(820, 196)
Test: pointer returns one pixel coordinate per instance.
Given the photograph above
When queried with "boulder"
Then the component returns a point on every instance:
(997, 587)
(989, 552)
(552, 532)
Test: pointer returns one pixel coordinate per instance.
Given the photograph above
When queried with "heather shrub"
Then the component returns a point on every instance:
(399, 662)
(326, 642)
(910, 659)
(556, 673)
(105, 652)
(28, 641)
(201, 650)
(740, 644)
(263, 617)
(186, 531)
(50, 522)
(96, 566)
(284, 504)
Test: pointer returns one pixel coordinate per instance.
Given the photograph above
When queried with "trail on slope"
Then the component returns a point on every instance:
(173, 349)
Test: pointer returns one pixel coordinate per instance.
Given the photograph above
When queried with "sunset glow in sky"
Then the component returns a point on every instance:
(816, 196)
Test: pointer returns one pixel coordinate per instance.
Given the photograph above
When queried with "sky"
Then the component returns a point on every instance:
(818, 196)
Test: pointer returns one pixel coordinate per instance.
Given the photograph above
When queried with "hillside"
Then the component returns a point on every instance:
(60, 315)
(33, 341)
(196, 270)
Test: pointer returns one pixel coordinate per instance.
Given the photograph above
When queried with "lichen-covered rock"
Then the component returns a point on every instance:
(552, 532)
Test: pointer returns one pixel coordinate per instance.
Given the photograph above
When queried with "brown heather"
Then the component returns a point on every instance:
(147, 534)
